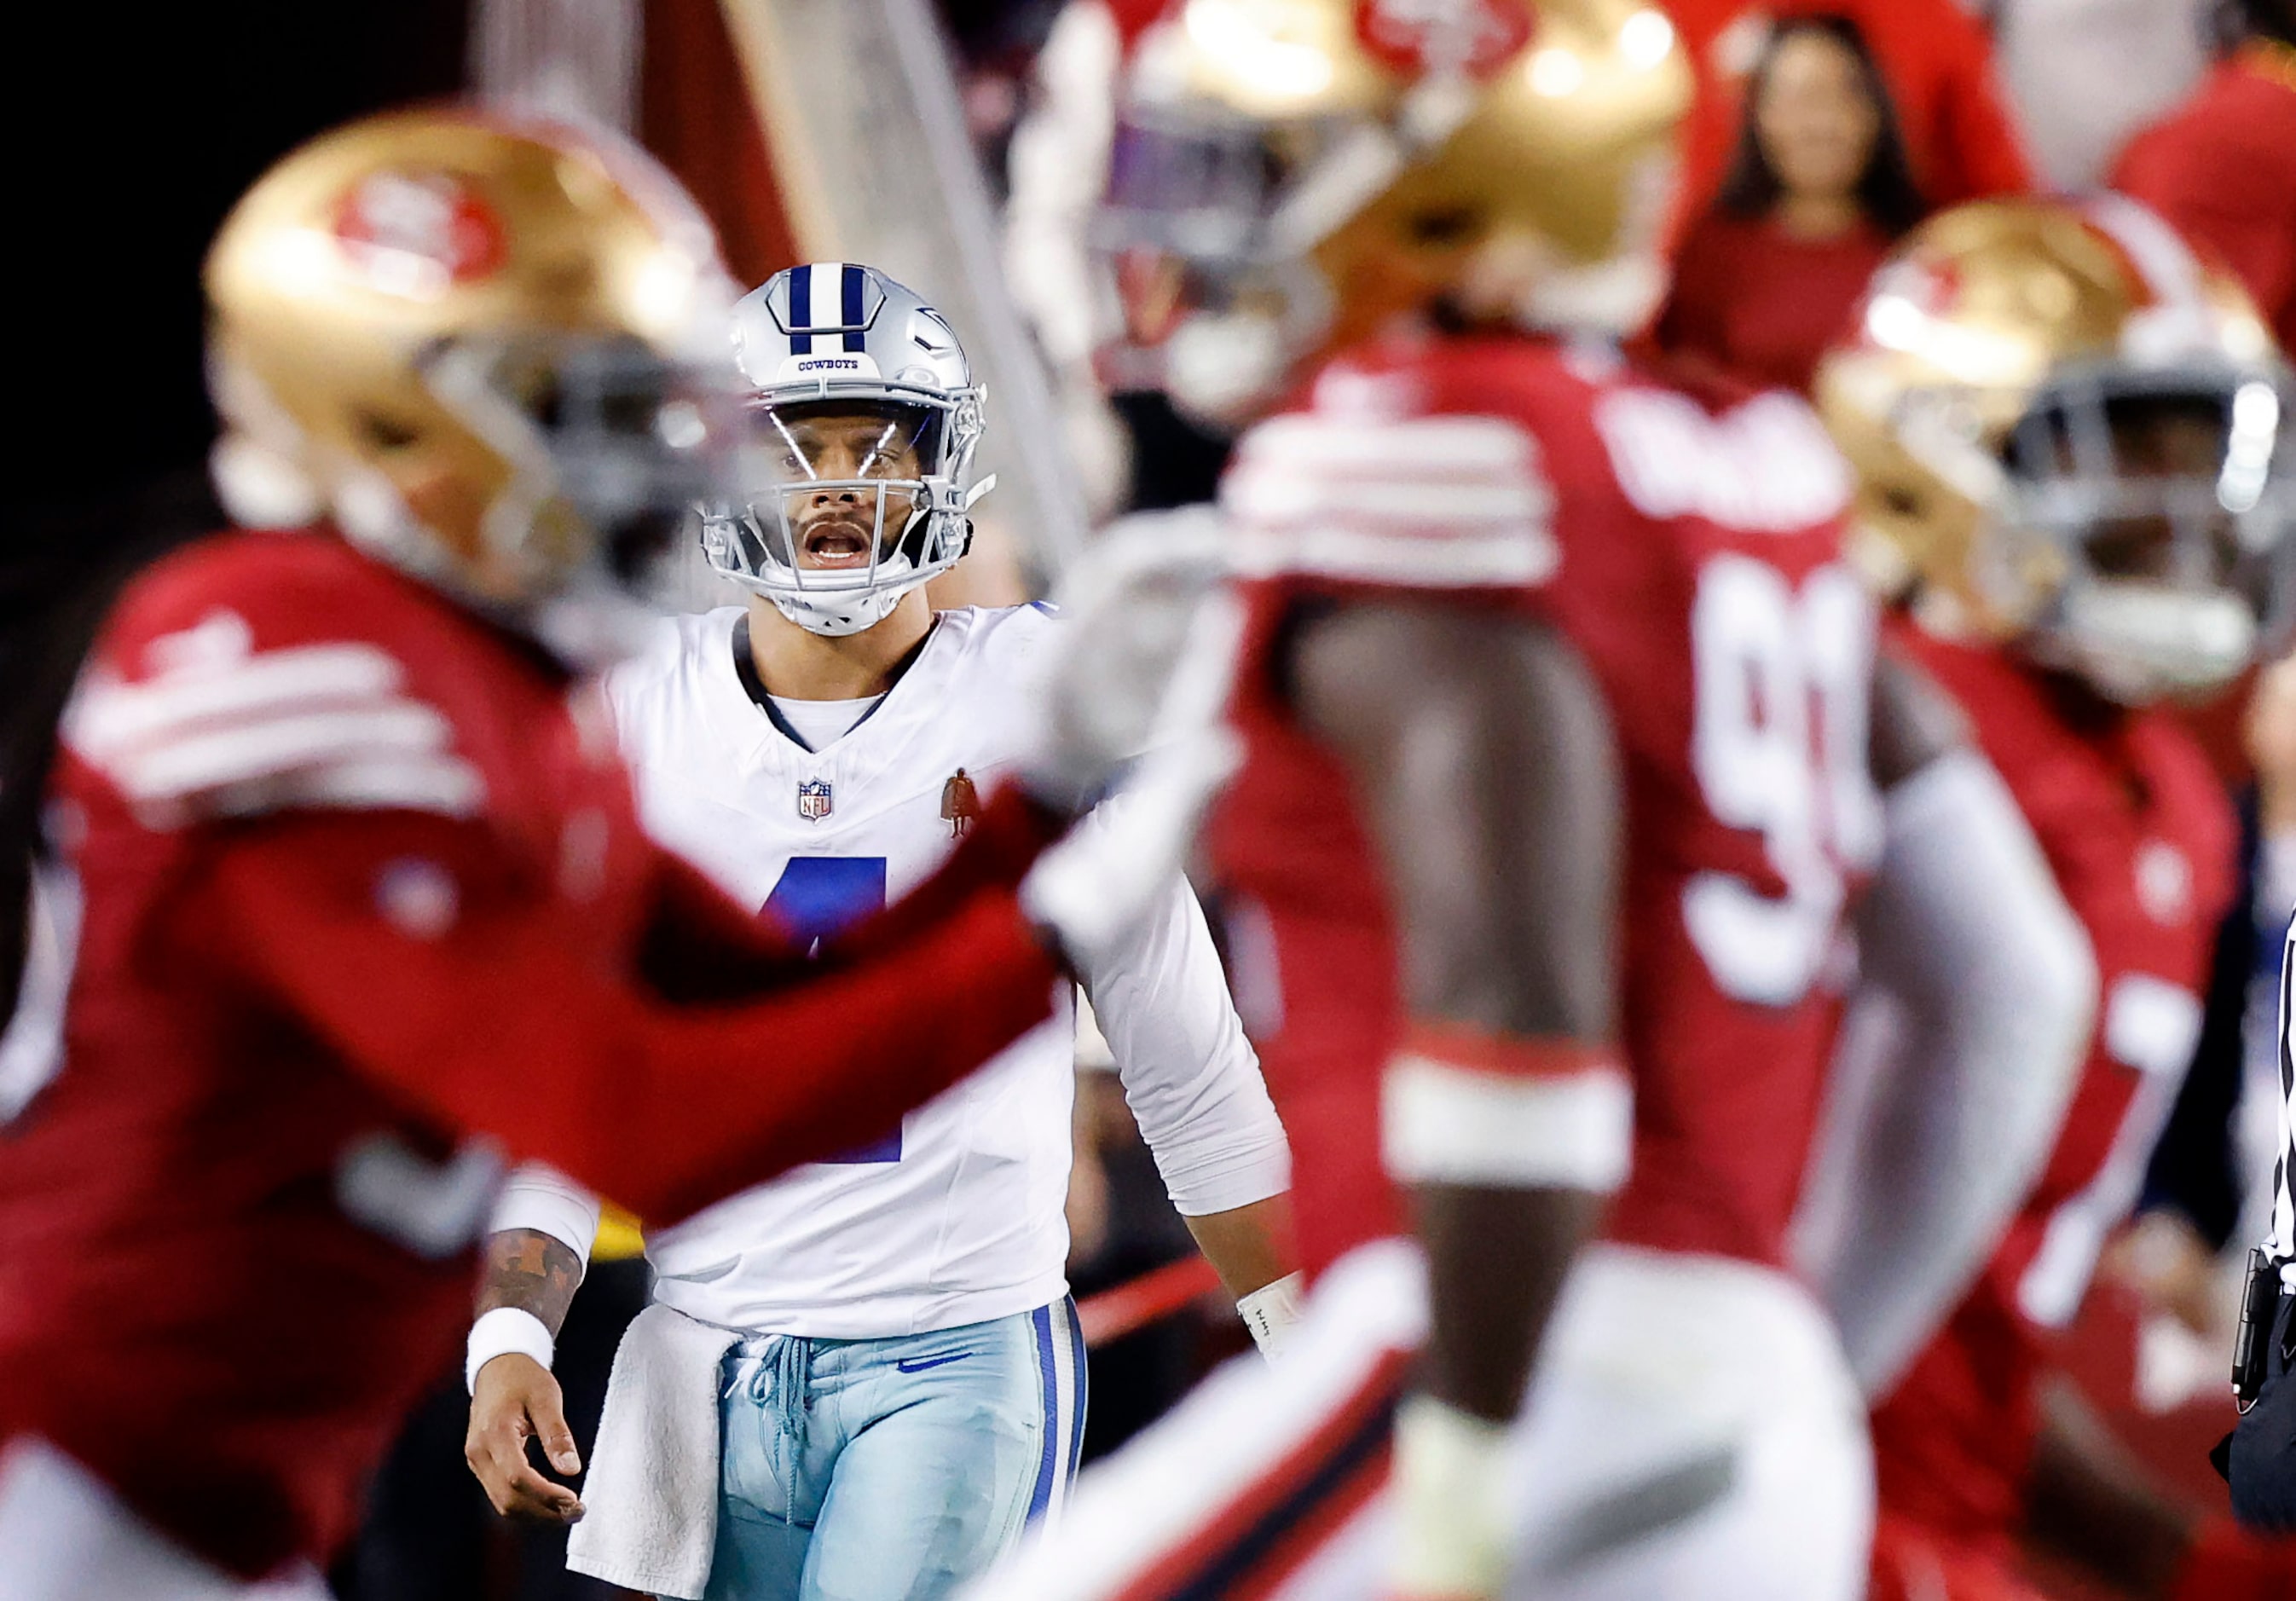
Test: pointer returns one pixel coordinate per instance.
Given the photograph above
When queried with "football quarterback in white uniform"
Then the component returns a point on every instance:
(862, 1379)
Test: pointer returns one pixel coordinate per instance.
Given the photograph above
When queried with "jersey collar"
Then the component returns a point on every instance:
(745, 672)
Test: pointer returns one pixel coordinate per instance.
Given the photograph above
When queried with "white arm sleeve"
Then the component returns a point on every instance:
(547, 1201)
(1190, 1076)
(1976, 998)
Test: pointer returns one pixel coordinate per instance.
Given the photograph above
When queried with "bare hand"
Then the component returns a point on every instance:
(2272, 743)
(2163, 1259)
(517, 1401)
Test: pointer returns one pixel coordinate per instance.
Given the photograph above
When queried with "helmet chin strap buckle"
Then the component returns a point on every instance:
(856, 614)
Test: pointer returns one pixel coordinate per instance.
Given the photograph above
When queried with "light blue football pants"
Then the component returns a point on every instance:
(892, 1469)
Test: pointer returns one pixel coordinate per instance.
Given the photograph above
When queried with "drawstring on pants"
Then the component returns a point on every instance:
(781, 1363)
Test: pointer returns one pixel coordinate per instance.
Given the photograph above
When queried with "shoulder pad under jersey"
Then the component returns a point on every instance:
(200, 705)
(1443, 502)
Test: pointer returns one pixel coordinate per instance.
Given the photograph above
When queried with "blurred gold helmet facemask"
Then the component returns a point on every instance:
(1289, 176)
(2002, 396)
(495, 352)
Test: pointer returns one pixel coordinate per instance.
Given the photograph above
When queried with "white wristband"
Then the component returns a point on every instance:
(498, 1333)
(1272, 1311)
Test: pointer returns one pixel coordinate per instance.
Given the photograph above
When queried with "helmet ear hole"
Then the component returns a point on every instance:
(914, 541)
(1442, 227)
(382, 432)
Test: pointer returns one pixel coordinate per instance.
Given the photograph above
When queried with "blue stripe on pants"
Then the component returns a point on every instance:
(1041, 1320)
(1082, 1410)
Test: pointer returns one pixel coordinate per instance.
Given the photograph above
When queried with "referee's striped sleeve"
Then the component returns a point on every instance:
(2283, 1209)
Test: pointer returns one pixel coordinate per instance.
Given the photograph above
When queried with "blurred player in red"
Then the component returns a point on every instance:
(2222, 167)
(1565, 742)
(341, 875)
(2072, 450)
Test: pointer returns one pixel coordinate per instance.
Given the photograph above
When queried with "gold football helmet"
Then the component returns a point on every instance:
(1291, 176)
(491, 349)
(2070, 432)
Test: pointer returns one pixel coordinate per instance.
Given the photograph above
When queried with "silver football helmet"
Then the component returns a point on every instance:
(865, 420)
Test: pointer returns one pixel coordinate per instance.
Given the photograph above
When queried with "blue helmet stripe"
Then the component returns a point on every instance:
(854, 316)
(801, 307)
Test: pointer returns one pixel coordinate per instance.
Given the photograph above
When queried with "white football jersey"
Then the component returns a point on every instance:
(958, 1217)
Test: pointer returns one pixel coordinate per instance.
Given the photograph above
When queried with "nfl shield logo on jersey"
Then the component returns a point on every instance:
(813, 800)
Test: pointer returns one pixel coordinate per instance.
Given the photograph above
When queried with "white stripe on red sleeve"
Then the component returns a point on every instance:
(1443, 502)
(238, 731)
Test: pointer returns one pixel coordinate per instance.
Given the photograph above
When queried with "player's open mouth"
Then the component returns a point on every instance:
(837, 543)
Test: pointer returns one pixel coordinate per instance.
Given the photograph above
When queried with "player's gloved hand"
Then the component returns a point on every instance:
(1452, 1538)
(1140, 663)
(1150, 656)
(514, 1398)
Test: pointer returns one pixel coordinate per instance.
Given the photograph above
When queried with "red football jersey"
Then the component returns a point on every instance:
(2222, 168)
(412, 902)
(1758, 302)
(1690, 551)
(2141, 838)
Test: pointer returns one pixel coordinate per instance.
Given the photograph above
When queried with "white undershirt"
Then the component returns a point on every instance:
(822, 723)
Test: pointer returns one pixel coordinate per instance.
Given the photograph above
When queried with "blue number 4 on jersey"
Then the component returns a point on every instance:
(816, 899)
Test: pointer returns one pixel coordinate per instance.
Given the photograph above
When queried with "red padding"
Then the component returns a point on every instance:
(1136, 1303)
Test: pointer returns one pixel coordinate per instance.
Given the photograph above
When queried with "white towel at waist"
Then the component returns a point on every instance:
(652, 1493)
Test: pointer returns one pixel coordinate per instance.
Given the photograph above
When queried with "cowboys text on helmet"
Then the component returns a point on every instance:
(863, 420)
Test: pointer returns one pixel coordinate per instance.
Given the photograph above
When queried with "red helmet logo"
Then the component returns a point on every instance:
(415, 234)
(1903, 294)
(1419, 37)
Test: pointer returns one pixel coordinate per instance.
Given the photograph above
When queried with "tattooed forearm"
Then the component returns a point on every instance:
(531, 1271)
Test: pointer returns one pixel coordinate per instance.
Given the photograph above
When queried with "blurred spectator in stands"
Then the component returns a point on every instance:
(1133, 448)
(997, 44)
(1820, 189)
(1056, 166)
(1961, 139)
(2223, 166)
(2086, 74)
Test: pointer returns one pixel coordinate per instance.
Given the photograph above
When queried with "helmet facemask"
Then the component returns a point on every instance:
(511, 471)
(2168, 498)
(608, 444)
(850, 502)
(1208, 223)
